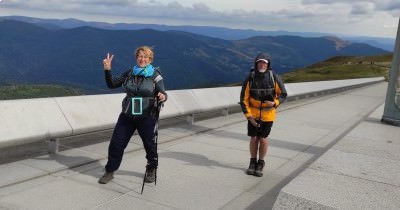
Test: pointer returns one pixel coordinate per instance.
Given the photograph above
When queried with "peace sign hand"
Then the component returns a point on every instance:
(107, 62)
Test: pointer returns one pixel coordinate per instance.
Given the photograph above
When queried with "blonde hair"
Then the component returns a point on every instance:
(147, 51)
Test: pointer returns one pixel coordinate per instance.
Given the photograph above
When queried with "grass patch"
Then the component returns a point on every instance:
(36, 91)
(342, 67)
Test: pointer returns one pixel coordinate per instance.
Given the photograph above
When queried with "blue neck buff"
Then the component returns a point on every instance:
(146, 71)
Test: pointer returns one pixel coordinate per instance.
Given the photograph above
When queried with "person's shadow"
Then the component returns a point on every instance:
(83, 165)
(90, 166)
(196, 159)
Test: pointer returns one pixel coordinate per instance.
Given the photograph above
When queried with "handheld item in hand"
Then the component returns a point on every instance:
(137, 105)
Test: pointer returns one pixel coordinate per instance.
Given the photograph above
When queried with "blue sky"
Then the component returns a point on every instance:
(353, 17)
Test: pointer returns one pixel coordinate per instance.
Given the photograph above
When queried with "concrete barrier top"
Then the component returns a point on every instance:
(28, 120)
(294, 89)
(90, 113)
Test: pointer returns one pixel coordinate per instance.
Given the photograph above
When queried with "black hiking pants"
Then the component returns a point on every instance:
(123, 131)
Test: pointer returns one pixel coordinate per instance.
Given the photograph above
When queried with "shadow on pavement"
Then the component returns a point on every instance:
(196, 159)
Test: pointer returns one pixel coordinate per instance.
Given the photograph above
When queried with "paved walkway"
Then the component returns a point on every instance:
(201, 166)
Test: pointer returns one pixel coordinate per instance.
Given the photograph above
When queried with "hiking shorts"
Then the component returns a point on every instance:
(262, 131)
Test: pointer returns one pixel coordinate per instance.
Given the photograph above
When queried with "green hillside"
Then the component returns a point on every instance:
(35, 91)
(342, 67)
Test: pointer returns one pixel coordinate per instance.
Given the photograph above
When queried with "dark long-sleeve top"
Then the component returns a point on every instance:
(137, 86)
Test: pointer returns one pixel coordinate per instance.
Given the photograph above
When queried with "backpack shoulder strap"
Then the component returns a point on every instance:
(156, 77)
(128, 75)
(251, 77)
(272, 76)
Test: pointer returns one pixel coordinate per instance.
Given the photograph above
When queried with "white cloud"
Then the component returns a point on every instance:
(335, 16)
(391, 6)
(201, 7)
(362, 8)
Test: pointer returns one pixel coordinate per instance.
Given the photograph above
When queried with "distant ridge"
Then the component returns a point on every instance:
(211, 31)
(31, 53)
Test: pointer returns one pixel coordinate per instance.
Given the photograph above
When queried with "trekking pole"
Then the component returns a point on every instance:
(160, 104)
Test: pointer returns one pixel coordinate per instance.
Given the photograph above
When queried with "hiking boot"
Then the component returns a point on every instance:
(150, 175)
(106, 177)
(252, 166)
(259, 168)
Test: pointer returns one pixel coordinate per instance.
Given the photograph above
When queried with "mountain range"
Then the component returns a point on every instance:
(38, 53)
(211, 31)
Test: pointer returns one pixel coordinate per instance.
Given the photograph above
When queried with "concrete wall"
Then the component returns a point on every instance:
(29, 120)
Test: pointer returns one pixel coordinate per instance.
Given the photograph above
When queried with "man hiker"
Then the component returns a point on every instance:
(262, 92)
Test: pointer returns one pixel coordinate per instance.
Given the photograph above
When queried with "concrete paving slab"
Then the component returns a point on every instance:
(337, 133)
(300, 134)
(377, 131)
(297, 126)
(373, 148)
(234, 177)
(23, 186)
(286, 150)
(206, 154)
(131, 202)
(242, 201)
(228, 139)
(314, 189)
(171, 166)
(359, 165)
(62, 160)
(189, 193)
(292, 168)
(67, 193)
(268, 189)
(16, 172)
(198, 160)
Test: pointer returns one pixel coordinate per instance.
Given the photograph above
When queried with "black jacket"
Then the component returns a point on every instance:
(145, 89)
